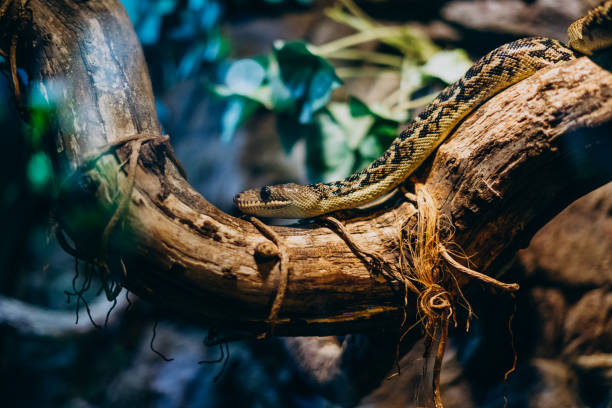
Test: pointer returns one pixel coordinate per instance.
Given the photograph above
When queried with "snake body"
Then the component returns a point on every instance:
(493, 73)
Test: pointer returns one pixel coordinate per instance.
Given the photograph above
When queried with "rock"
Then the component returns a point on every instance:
(556, 386)
(549, 310)
(588, 326)
(575, 248)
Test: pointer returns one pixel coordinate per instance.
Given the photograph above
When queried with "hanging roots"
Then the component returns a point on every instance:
(421, 266)
(426, 268)
(99, 266)
(284, 274)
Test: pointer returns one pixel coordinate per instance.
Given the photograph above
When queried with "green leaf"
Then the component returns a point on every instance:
(291, 131)
(376, 110)
(349, 136)
(244, 76)
(380, 135)
(39, 125)
(412, 78)
(448, 66)
(261, 95)
(385, 124)
(281, 97)
(39, 171)
(147, 17)
(190, 62)
(238, 110)
(309, 78)
(354, 120)
(369, 150)
(328, 156)
(148, 29)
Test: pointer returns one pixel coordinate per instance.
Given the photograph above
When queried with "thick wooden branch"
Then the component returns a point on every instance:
(509, 167)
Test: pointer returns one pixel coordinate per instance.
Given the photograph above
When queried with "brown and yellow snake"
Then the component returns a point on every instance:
(494, 72)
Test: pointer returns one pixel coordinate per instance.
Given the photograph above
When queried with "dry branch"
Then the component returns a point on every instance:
(510, 167)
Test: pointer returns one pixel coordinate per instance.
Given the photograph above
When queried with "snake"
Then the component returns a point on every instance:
(491, 74)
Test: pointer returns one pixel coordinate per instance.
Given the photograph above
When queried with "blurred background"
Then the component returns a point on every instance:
(266, 91)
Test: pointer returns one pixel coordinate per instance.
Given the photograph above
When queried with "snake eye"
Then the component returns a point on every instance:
(265, 193)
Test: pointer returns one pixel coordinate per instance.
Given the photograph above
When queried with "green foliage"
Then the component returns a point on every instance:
(181, 38)
(39, 171)
(296, 82)
(309, 79)
(147, 17)
(237, 110)
(448, 66)
(291, 81)
(348, 136)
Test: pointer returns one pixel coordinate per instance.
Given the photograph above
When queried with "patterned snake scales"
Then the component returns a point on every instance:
(494, 72)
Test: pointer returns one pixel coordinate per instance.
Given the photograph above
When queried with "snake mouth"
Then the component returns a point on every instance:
(244, 203)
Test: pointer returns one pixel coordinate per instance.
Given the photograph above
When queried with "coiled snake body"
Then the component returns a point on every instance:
(494, 72)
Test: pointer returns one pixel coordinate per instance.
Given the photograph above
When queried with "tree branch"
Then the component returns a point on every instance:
(510, 167)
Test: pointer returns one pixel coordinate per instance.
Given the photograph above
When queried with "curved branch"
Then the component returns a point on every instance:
(509, 167)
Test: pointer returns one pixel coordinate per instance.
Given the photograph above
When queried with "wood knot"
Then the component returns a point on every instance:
(265, 251)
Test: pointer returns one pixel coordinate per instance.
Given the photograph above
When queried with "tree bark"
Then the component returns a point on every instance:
(510, 167)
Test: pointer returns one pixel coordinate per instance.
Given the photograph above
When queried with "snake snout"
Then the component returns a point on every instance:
(240, 200)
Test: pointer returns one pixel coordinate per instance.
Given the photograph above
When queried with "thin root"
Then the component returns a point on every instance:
(373, 259)
(284, 272)
(512, 287)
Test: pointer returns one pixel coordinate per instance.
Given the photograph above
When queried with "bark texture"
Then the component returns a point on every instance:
(509, 168)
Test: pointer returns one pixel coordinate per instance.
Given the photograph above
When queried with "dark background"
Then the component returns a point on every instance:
(563, 320)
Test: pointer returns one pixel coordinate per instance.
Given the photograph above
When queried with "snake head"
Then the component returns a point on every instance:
(280, 201)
